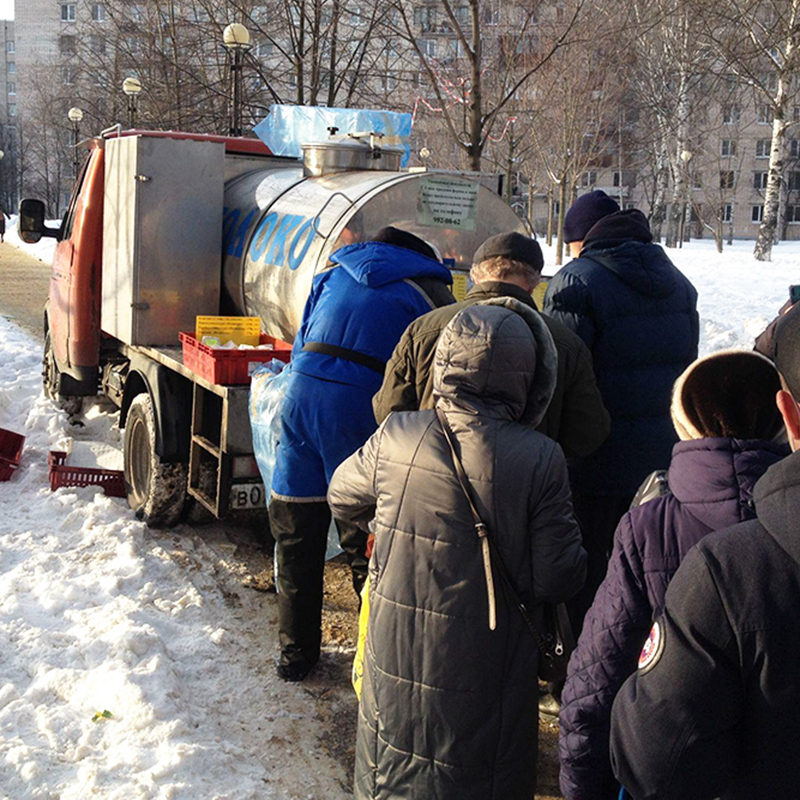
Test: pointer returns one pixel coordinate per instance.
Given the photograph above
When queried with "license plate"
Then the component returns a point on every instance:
(247, 495)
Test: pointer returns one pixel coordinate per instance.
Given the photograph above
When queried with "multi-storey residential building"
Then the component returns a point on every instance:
(9, 131)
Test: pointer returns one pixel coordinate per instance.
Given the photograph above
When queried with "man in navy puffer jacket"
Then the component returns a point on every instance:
(724, 411)
(638, 316)
(354, 317)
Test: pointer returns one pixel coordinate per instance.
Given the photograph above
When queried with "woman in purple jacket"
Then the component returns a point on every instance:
(723, 408)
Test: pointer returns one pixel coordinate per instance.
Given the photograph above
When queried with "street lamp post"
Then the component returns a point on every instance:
(236, 41)
(75, 115)
(132, 87)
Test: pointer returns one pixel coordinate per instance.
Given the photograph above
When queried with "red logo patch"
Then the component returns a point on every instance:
(653, 647)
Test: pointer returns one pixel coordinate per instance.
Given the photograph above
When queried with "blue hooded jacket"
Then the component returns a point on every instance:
(637, 313)
(363, 304)
(711, 485)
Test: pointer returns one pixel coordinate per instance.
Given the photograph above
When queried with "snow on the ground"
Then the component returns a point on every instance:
(98, 613)
(737, 295)
(43, 249)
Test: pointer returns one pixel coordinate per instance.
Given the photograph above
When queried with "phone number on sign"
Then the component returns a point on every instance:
(447, 220)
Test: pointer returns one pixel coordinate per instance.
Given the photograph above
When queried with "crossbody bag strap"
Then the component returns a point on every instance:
(490, 554)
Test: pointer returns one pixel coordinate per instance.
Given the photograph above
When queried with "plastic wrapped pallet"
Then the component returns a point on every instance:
(287, 127)
(267, 390)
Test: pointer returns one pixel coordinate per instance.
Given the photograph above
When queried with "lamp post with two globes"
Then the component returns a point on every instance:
(132, 88)
(236, 41)
(75, 115)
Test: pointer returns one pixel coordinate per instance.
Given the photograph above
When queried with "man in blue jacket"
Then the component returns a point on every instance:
(354, 316)
(638, 315)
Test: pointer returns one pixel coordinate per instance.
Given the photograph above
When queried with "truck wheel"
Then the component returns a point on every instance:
(51, 380)
(156, 491)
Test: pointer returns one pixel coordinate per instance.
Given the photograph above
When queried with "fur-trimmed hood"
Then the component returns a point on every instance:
(729, 393)
(496, 358)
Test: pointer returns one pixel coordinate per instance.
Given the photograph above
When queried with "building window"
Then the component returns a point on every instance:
(762, 148)
(9, 47)
(491, 15)
(794, 147)
(12, 109)
(11, 88)
(793, 213)
(589, 178)
(764, 114)
(425, 18)
(66, 45)
(98, 12)
(616, 178)
(794, 181)
(756, 213)
(697, 180)
(357, 18)
(427, 47)
(731, 114)
(97, 44)
(727, 148)
(11, 68)
(727, 179)
(68, 12)
(760, 180)
(69, 75)
(796, 114)
(727, 212)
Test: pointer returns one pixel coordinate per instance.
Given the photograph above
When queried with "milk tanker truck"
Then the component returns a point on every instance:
(164, 226)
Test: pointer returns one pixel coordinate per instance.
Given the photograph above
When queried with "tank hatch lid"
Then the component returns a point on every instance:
(353, 151)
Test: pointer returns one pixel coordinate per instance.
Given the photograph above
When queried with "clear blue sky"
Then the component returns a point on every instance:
(6, 9)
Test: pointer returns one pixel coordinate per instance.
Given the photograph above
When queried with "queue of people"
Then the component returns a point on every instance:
(497, 476)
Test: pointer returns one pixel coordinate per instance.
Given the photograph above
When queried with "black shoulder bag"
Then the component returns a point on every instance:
(556, 642)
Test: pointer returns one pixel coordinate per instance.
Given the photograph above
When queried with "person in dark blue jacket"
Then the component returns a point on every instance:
(638, 315)
(724, 411)
(354, 317)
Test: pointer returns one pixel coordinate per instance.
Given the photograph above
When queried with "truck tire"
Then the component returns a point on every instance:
(156, 491)
(51, 381)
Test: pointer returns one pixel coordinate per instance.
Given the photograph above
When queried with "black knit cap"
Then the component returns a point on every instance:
(585, 212)
(786, 350)
(511, 245)
(401, 238)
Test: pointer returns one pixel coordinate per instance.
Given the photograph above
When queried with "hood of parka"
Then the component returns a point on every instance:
(623, 244)
(777, 504)
(497, 359)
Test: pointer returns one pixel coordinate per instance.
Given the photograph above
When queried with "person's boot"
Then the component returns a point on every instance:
(294, 672)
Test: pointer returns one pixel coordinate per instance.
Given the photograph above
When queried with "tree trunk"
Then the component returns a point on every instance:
(658, 210)
(562, 210)
(772, 195)
(679, 165)
(550, 217)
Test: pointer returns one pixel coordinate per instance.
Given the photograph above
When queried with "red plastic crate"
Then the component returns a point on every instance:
(10, 452)
(229, 366)
(112, 480)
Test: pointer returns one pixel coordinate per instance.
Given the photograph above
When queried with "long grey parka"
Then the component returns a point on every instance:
(449, 708)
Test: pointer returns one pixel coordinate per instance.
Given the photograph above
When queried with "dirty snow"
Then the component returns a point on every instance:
(98, 613)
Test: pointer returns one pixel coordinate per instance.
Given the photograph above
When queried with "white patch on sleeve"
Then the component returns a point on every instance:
(653, 647)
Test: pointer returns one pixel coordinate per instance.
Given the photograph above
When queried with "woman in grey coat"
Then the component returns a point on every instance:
(448, 706)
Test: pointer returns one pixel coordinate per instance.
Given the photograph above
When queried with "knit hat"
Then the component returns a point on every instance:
(401, 238)
(730, 393)
(511, 245)
(584, 212)
(786, 349)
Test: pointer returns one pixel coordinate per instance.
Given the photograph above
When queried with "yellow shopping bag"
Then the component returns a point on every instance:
(361, 644)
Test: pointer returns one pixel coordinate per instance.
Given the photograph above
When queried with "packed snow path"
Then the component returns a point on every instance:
(98, 613)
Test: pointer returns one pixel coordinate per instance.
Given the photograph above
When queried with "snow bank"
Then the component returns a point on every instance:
(43, 249)
(97, 613)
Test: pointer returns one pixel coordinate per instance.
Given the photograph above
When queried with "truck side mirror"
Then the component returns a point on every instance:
(30, 224)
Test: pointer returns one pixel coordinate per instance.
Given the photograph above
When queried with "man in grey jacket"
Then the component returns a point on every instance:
(448, 705)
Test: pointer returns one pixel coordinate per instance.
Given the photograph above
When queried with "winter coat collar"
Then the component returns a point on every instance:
(777, 498)
(714, 478)
(474, 375)
(376, 264)
(622, 243)
(488, 290)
